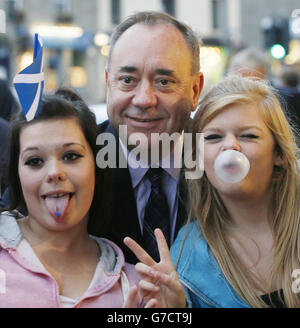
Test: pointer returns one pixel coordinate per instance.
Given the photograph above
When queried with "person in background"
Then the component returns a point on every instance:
(8, 108)
(249, 62)
(4, 135)
(290, 95)
(153, 85)
(8, 104)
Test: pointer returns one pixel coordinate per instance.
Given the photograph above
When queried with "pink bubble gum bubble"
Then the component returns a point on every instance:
(231, 166)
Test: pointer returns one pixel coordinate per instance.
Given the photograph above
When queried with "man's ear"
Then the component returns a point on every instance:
(198, 83)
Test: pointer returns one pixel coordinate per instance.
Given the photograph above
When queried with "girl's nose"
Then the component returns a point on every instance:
(55, 173)
(231, 142)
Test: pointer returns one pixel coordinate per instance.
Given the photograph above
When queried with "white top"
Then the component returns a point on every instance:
(67, 302)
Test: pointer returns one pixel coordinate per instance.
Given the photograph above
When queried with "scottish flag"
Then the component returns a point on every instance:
(29, 83)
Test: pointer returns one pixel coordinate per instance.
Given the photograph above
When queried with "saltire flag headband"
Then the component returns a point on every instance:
(29, 83)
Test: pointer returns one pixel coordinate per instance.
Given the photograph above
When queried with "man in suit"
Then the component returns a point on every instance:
(153, 85)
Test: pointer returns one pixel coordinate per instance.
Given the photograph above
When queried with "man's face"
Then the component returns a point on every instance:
(150, 86)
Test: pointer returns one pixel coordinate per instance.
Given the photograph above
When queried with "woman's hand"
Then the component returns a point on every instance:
(132, 299)
(160, 285)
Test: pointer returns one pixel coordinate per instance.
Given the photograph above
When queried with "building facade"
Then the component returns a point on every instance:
(79, 61)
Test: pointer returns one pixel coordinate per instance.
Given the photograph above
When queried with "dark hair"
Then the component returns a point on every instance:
(63, 104)
(151, 18)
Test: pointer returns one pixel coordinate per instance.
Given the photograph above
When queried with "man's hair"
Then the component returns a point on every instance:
(150, 18)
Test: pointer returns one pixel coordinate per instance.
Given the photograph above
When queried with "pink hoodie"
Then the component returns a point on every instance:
(24, 282)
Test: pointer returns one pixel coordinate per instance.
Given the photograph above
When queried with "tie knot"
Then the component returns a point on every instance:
(155, 176)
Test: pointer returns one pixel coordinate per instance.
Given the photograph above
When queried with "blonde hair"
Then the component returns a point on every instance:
(209, 209)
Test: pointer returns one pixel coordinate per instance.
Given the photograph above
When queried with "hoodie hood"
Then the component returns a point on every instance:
(10, 233)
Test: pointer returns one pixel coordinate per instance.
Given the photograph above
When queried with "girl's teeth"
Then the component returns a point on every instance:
(57, 195)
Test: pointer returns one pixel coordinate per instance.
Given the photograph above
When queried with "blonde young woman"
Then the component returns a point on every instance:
(242, 244)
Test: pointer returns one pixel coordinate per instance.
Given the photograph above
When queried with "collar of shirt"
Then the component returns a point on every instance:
(137, 173)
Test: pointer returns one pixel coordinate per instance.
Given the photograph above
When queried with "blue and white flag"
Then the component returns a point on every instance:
(29, 83)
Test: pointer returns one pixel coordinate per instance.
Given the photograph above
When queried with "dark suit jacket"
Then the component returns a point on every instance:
(119, 211)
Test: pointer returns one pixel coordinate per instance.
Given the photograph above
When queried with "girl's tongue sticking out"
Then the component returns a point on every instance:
(57, 204)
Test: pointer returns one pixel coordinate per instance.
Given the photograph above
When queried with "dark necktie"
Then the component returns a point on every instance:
(156, 214)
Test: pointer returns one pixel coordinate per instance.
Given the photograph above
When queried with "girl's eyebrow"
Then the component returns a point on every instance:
(244, 127)
(74, 143)
(65, 145)
(29, 149)
(212, 129)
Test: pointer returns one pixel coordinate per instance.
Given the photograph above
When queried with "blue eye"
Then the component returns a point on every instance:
(34, 161)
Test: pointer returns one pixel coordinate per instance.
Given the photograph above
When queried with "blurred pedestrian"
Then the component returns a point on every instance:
(4, 135)
(288, 89)
(8, 104)
(249, 62)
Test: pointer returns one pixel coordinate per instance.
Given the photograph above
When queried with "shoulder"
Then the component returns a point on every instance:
(189, 244)
(188, 235)
(114, 260)
(199, 271)
(192, 254)
(103, 126)
(106, 126)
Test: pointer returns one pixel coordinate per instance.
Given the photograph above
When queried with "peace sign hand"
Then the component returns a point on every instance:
(160, 281)
(132, 299)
